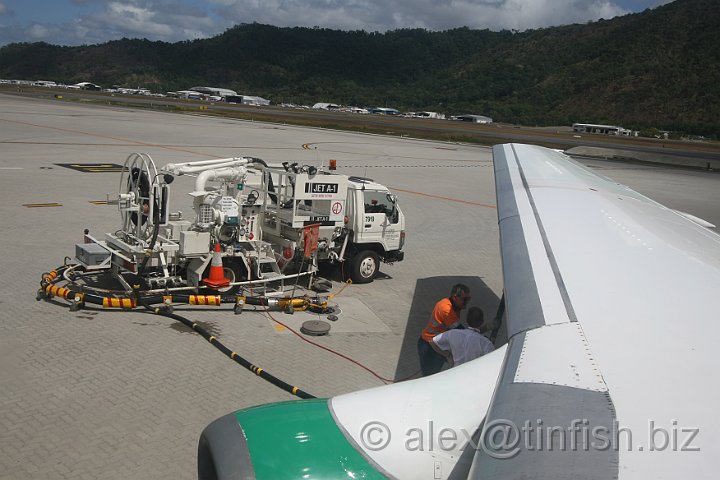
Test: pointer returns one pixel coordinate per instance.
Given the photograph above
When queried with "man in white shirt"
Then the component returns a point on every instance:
(461, 345)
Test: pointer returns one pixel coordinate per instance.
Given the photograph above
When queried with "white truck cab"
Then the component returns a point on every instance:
(359, 221)
(376, 227)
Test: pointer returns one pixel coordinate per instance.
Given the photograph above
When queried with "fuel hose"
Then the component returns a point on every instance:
(229, 353)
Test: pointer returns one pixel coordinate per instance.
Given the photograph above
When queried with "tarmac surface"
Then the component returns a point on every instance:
(111, 394)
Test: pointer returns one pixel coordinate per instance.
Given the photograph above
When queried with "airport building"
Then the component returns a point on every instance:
(247, 100)
(472, 118)
(428, 115)
(87, 86)
(326, 106)
(601, 129)
(187, 94)
(214, 91)
(384, 111)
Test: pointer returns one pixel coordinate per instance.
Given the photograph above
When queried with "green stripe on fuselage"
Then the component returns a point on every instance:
(300, 439)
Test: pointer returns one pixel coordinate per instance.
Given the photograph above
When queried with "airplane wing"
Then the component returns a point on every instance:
(611, 311)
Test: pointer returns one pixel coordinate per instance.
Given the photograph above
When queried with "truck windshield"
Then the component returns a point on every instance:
(377, 202)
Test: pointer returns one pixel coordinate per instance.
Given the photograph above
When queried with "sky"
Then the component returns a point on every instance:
(86, 22)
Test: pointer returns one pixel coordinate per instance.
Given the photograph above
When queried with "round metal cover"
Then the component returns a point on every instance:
(315, 328)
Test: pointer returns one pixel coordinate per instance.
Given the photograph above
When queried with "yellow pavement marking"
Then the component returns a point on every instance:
(38, 205)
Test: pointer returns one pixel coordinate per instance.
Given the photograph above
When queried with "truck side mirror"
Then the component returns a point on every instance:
(394, 214)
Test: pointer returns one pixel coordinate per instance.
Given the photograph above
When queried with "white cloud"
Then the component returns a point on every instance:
(132, 19)
(3, 9)
(164, 20)
(39, 32)
(175, 20)
(384, 15)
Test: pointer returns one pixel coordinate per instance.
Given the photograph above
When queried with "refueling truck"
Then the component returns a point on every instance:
(265, 224)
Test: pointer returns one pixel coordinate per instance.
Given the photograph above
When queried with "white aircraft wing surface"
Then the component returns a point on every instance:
(612, 304)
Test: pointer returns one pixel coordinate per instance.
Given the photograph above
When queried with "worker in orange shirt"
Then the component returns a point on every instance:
(445, 316)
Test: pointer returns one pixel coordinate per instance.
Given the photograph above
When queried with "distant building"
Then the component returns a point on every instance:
(472, 118)
(326, 106)
(602, 129)
(188, 94)
(20, 82)
(384, 111)
(214, 91)
(131, 91)
(246, 100)
(360, 110)
(252, 100)
(87, 86)
(428, 115)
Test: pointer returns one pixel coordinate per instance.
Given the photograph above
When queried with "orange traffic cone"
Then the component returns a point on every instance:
(216, 278)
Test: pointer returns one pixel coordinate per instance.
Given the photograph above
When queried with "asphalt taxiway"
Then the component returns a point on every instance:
(110, 394)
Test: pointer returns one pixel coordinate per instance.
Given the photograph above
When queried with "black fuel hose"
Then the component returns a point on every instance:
(229, 353)
(49, 288)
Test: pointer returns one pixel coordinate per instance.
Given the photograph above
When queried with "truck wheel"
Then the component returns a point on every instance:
(365, 266)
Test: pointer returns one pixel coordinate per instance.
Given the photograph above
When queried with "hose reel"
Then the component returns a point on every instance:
(138, 196)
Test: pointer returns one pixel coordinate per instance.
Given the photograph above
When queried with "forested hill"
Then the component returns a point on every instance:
(659, 68)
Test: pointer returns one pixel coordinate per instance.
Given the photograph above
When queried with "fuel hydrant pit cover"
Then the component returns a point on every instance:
(315, 328)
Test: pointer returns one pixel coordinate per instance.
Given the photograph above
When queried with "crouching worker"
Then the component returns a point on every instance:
(463, 345)
(445, 315)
